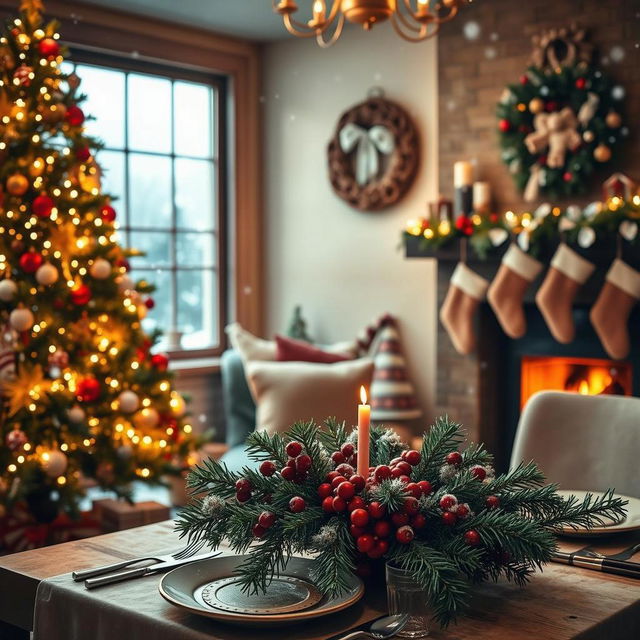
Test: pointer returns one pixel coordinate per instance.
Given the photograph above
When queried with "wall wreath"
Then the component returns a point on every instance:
(561, 119)
(373, 155)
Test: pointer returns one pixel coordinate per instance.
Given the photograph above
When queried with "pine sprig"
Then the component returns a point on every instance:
(213, 476)
(443, 437)
(439, 577)
(333, 566)
(334, 434)
(264, 446)
(589, 512)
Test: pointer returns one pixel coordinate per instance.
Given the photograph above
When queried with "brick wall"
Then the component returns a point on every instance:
(472, 74)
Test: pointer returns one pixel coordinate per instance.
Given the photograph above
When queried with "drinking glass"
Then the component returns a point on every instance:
(406, 596)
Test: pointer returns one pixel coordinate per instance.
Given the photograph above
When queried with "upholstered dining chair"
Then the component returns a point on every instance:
(582, 442)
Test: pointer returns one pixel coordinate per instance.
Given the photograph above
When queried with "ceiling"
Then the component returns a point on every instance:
(253, 19)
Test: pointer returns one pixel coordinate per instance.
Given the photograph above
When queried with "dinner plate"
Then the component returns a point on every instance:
(209, 588)
(630, 523)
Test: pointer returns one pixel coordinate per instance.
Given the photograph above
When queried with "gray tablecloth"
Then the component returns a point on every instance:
(135, 610)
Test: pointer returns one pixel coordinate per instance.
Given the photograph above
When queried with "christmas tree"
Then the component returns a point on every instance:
(82, 395)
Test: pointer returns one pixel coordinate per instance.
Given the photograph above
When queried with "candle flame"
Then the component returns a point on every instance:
(363, 395)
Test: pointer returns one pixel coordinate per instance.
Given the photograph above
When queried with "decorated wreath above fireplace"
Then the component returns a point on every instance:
(561, 119)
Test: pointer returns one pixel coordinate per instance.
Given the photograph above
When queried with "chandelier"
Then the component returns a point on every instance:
(414, 20)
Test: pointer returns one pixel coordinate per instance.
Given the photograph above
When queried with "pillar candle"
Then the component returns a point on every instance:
(481, 197)
(462, 174)
(364, 425)
(462, 181)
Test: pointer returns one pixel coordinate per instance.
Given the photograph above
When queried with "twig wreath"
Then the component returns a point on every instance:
(373, 155)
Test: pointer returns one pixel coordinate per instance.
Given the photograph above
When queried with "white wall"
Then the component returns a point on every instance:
(342, 265)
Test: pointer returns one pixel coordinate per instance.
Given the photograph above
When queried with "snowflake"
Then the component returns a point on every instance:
(212, 505)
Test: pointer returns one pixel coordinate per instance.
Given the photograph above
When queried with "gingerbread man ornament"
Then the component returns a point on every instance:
(558, 131)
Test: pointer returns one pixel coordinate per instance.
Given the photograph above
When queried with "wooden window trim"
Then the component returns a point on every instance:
(132, 37)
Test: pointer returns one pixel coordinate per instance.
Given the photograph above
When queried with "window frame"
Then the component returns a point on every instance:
(221, 158)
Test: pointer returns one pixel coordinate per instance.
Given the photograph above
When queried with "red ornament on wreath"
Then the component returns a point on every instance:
(30, 262)
(504, 125)
(80, 295)
(160, 361)
(74, 116)
(88, 389)
(464, 225)
(149, 303)
(48, 48)
(43, 206)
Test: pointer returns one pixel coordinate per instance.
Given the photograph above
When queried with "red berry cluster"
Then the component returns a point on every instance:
(296, 468)
(265, 520)
(347, 454)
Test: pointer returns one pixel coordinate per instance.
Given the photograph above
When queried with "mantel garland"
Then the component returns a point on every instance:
(561, 120)
(440, 513)
(535, 232)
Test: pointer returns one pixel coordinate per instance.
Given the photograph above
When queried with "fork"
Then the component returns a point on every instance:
(190, 550)
(622, 555)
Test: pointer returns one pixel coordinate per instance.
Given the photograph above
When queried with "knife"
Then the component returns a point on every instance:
(606, 565)
(92, 583)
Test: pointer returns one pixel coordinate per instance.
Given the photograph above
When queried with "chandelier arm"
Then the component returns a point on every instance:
(336, 34)
(292, 27)
(453, 12)
(424, 33)
(412, 26)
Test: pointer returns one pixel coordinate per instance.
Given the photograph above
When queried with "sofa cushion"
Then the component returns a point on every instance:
(239, 407)
(287, 392)
(288, 350)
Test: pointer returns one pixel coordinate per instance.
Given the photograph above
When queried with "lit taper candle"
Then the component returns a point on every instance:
(364, 424)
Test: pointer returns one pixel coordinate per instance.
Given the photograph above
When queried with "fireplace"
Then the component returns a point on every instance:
(588, 376)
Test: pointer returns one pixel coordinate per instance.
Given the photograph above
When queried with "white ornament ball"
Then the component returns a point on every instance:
(128, 401)
(125, 283)
(54, 463)
(8, 290)
(76, 414)
(147, 418)
(21, 319)
(177, 404)
(100, 269)
(47, 274)
(125, 451)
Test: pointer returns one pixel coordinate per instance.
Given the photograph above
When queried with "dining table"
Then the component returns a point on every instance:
(37, 594)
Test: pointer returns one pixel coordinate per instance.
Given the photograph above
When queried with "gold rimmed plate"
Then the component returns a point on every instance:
(210, 588)
(630, 523)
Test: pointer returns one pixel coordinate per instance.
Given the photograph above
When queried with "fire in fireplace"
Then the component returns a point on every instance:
(589, 376)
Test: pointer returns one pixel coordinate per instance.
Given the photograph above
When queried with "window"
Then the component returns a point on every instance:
(162, 161)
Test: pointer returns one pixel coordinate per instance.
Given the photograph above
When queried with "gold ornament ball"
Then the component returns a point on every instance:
(54, 463)
(21, 319)
(613, 120)
(536, 105)
(47, 274)
(37, 167)
(146, 418)
(128, 401)
(55, 113)
(602, 153)
(17, 184)
(8, 290)
(588, 136)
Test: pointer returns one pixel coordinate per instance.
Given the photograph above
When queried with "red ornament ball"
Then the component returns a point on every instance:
(30, 262)
(297, 504)
(377, 510)
(524, 79)
(74, 116)
(492, 502)
(412, 457)
(88, 389)
(149, 303)
(404, 535)
(454, 458)
(504, 125)
(83, 153)
(581, 83)
(43, 206)
(472, 538)
(359, 517)
(267, 468)
(365, 543)
(48, 48)
(108, 213)
(160, 361)
(465, 226)
(266, 519)
(382, 472)
(567, 176)
(293, 449)
(449, 518)
(80, 295)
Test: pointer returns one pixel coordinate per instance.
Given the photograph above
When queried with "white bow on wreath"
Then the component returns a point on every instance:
(369, 143)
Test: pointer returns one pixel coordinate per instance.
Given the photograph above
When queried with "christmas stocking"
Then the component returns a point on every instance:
(467, 289)
(505, 295)
(555, 297)
(611, 311)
